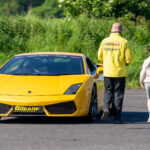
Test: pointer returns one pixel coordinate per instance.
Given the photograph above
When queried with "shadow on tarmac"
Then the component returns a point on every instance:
(128, 118)
(135, 117)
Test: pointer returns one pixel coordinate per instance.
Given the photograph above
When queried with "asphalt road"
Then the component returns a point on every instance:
(76, 134)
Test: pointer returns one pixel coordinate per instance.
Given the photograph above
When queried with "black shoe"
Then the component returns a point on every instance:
(118, 121)
(105, 115)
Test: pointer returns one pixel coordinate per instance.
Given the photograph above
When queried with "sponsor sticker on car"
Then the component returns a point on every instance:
(28, 109)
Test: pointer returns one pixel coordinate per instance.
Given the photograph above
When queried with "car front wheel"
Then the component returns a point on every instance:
(92, 115)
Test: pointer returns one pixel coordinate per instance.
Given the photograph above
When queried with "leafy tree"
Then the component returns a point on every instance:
(16, 7)
(130, 7)
(26, 5)
(108, 8)
(42, 8)
(49, 8)
(8, 7)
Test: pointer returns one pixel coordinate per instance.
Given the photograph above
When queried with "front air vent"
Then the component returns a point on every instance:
(4, 109)
(62, 108)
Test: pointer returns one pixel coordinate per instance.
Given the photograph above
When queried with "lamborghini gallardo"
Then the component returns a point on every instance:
(53, 84)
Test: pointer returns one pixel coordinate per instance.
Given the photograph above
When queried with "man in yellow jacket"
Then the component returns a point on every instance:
(115, 54)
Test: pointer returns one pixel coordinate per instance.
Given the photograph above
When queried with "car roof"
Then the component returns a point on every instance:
(55, 53)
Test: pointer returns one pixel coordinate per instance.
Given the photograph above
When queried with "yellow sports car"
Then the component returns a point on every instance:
(51, 84)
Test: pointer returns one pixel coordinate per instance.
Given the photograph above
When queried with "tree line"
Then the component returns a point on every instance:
(74, 8)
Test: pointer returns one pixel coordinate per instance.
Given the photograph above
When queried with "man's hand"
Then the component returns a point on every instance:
(142, 85)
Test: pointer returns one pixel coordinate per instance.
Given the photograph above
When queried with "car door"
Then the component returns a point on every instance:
(92, 69)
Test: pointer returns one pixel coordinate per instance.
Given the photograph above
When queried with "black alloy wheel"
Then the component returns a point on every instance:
(92, 116)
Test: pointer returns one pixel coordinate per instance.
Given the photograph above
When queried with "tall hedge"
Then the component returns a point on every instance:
(81, 35)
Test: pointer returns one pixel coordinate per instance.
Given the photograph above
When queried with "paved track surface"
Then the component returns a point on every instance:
(76, 134)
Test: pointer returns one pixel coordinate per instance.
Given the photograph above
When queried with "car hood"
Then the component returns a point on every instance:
(38, 85)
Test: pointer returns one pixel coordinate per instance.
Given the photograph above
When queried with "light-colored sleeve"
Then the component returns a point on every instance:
(143, 72)
(100, 52)
(128, 54)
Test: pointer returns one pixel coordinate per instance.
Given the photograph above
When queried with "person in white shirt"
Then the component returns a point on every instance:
(145, 79)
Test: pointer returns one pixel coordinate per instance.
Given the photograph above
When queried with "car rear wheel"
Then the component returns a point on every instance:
(92, 115)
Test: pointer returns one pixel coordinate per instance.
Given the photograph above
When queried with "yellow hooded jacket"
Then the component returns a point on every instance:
(115, 54)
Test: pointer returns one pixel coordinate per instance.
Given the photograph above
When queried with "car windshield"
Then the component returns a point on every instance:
(44, 65)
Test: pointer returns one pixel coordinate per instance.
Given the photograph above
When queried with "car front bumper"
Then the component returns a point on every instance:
(52, 106)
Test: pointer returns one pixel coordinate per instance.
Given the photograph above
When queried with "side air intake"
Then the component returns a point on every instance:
(4, 109)
(62, 108)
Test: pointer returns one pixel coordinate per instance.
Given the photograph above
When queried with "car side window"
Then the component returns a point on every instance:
(91, 66)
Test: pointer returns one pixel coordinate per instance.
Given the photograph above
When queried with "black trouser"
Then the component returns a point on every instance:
(114, 94)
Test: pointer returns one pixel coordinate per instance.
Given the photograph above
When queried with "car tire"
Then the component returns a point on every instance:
(92, 115)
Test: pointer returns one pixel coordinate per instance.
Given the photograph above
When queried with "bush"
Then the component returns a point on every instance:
(107, 8)
(82, 35)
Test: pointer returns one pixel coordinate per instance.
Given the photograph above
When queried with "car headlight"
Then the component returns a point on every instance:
(73, 89)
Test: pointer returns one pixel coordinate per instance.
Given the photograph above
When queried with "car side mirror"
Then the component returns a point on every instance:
(99, 65)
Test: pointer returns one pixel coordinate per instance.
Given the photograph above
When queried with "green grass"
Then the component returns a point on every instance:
(80, 35)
